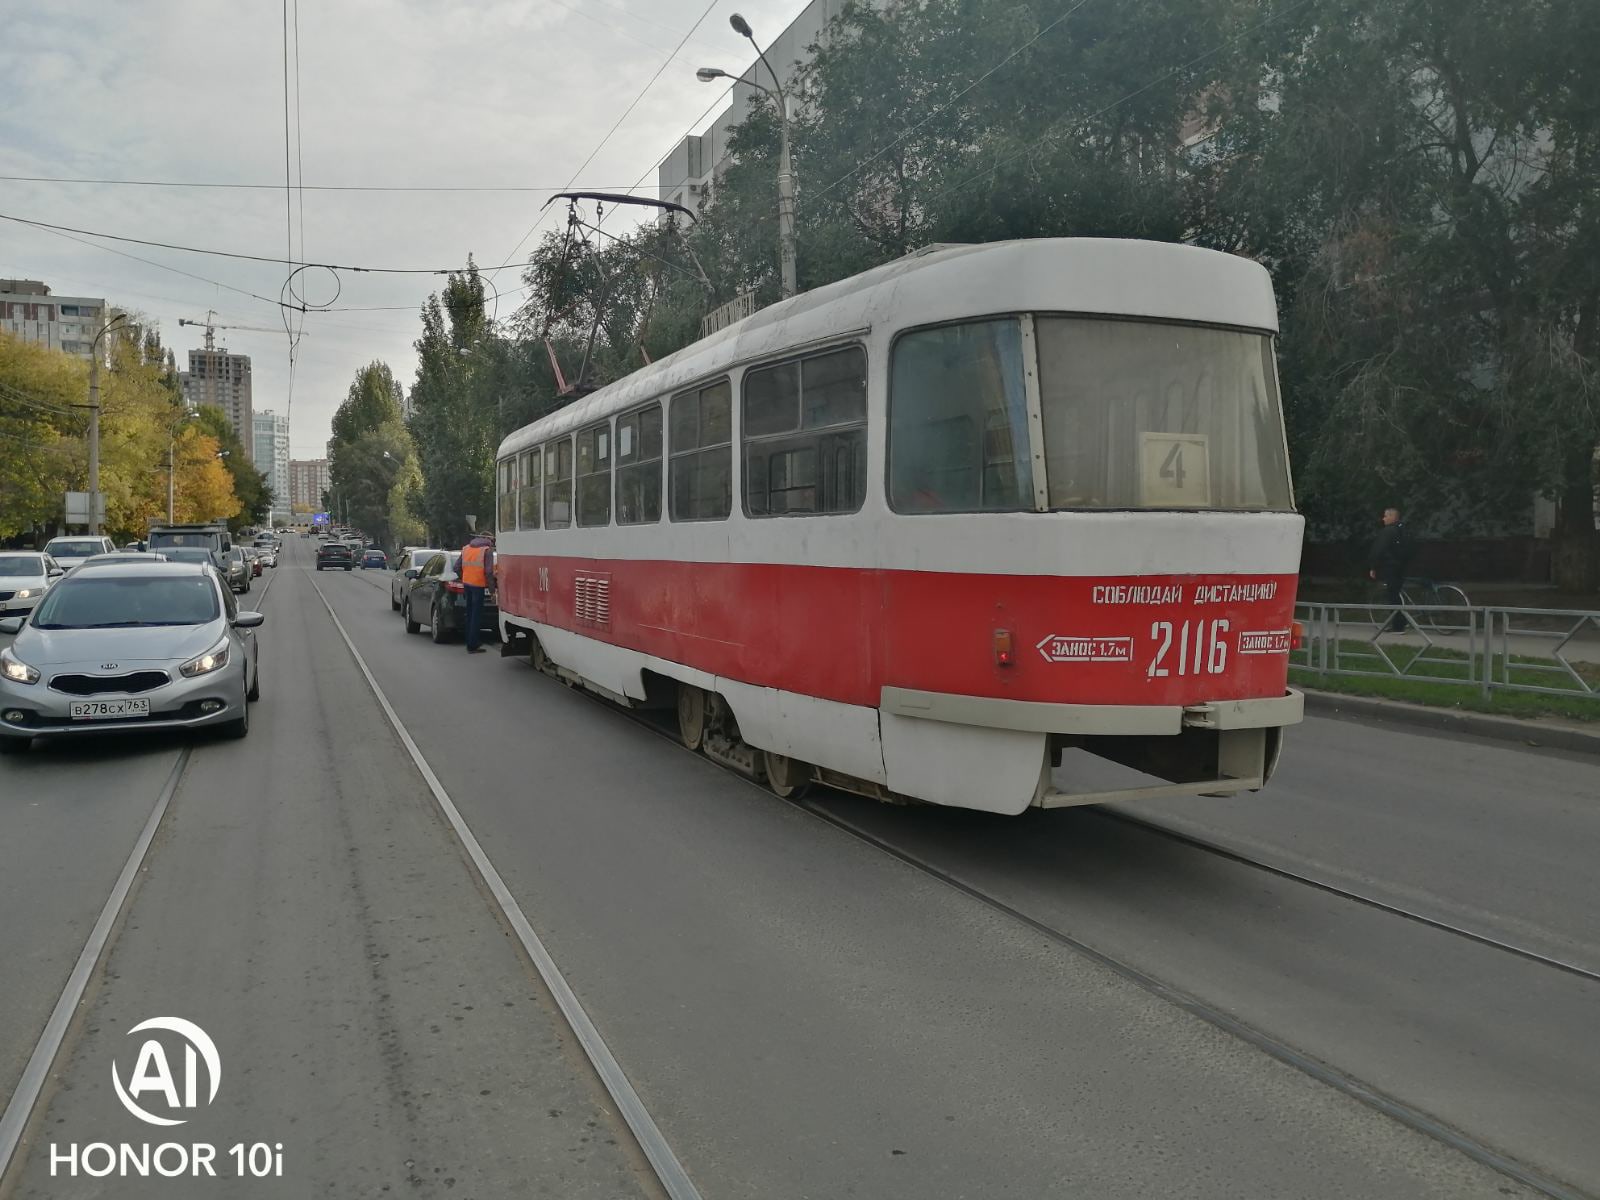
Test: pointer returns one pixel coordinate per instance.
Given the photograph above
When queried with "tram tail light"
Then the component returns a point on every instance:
(1297, 635)
(1002, 648)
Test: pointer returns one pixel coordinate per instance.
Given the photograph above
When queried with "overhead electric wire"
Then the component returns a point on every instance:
(149, 262)
(261, 258)
(307, 187)
(288, 204)
(617, 124)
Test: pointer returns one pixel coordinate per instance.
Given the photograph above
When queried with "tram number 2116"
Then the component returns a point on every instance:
(1189, 648)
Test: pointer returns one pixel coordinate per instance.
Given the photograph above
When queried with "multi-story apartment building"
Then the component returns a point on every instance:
(223, 379)
(685, 175)
(30, 312)
(271, 457)
(308, 481)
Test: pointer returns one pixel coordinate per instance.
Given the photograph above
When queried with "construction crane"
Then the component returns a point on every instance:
(211, 326)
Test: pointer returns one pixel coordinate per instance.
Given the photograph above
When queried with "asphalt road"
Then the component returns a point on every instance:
(803, 1014)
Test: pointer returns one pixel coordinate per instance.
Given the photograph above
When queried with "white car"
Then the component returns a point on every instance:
(25, 576)
(70, 552)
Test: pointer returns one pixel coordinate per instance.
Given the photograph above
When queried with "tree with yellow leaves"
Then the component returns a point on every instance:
(203, 489)
(38, 428)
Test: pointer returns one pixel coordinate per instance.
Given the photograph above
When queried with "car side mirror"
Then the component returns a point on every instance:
(11, 624)
(55, 573)
(412, 572)
(248, 620)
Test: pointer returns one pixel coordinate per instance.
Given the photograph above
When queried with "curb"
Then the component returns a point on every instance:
(1535, 734)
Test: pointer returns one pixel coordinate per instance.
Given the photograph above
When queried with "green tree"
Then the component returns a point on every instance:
(371, 464)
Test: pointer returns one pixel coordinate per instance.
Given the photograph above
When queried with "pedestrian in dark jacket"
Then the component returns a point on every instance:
(1389, 556)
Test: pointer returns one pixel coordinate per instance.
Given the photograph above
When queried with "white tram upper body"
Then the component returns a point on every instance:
(921, 530)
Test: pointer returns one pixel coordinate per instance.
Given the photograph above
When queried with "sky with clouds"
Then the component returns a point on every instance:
(398, 93)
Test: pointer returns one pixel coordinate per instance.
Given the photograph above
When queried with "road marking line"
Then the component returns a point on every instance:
(15, 1118)
(649, 1136)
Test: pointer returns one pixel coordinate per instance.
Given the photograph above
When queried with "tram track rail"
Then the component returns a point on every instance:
(650, 1140)
(1235, 856)
(1274, 1047)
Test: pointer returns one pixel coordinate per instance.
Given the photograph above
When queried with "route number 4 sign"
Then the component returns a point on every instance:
(1174, 470)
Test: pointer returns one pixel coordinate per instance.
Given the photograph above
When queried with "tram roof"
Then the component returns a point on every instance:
(1104, 276)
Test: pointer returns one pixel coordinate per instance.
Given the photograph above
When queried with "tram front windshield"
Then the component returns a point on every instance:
(1139, 414)
(1136, 415)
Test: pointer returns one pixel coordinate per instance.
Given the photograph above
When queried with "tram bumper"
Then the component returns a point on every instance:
(1212, 748)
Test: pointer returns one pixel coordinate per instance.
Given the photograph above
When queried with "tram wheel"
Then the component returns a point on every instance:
(691, 715)
(789, 778)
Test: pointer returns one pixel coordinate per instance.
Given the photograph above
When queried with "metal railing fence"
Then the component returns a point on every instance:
(1550, 651)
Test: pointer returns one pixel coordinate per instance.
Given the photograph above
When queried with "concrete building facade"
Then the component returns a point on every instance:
(223, 379)
(31, 313)
(271, 457)
(308, 480)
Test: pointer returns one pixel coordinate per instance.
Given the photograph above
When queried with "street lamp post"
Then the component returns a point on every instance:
(786, 238)
(94, 421)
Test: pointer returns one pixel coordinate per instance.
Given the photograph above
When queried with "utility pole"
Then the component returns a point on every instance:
(786, 240)
(94, 423)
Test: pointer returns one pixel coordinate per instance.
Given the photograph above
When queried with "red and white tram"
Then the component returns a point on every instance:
(920, 531)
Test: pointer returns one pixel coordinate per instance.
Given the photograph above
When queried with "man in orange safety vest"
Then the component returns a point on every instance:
(477, 577)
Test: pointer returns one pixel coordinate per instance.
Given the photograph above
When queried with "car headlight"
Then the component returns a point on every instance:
(14, 669)
(24, 593)
(213, 659)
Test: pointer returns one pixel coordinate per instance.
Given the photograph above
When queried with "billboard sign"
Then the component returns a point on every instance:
(319, 518)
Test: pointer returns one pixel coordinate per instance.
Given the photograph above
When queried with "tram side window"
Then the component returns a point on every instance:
(594, 475)
(639, 467)
(958, 420)
(506, 490)
(558, 484)
(805, 435)
(528, 490)
(700, 471)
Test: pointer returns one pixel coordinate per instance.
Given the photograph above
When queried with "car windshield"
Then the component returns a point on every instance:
(203, 540)
(98, 601)
(72, 549)
(13, 566)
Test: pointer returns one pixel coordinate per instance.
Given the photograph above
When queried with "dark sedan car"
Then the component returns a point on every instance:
(374, 558)
(335, 556)
(438, 599)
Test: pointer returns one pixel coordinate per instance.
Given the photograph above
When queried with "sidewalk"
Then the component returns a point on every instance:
(1544, 733)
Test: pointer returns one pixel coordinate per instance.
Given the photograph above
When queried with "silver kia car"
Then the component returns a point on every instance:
(138, 646)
